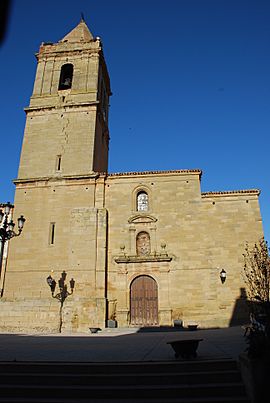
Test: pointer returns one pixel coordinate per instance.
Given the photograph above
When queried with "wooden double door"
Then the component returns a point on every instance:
(144, 301)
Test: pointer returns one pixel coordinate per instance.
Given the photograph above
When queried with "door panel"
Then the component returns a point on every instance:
(144, 301)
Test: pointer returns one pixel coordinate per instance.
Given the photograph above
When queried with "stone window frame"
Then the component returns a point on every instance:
(66, 72)
(136, 191)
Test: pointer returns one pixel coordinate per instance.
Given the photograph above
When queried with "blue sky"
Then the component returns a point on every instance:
(190, 82)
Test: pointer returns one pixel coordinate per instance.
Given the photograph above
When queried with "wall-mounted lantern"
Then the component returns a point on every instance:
(223, 276)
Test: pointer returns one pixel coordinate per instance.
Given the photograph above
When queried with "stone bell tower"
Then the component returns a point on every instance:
(60, 189)
(66, 130)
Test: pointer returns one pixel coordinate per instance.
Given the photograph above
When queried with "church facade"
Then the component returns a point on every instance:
(144, 248)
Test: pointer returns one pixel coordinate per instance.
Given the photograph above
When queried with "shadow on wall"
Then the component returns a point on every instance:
(240, 316)
(241, 310)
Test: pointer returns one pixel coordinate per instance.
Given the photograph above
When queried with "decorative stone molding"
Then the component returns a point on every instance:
(81, 105)
(156, 257)
(52, 52)
(181, 171)
(232, 192)
(142, 219)
(56, 178)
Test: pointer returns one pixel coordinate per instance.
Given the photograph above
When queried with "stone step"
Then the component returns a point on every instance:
(160, 382)
(216, 390)
(167, 399)
(33, 378)
(119, 367)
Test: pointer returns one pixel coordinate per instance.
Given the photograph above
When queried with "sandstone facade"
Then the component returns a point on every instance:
(144, 248)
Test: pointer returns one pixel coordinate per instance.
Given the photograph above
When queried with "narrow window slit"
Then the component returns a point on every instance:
(58, 162)
(52, 233)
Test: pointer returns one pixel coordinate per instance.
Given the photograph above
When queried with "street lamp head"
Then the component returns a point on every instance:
(10, 226)
(21, 221)
(8, 207)
(1, 215)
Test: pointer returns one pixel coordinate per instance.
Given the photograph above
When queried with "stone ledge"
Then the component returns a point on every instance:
(57, 178)
(231, 192)
(66, 106)
(175, 172)
(142, 259)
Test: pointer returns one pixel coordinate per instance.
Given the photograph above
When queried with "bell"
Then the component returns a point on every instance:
(67, 82)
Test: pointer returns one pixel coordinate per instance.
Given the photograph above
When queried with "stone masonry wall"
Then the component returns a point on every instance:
(202, 233)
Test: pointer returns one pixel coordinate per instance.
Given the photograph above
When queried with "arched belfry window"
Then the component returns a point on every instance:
(143, 246)
(142, 201)
(66, 76)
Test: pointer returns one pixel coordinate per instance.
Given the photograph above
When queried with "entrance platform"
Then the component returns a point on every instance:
(115, 345)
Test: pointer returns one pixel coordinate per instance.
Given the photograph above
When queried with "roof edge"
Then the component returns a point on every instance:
(141, 173)
(232, 192)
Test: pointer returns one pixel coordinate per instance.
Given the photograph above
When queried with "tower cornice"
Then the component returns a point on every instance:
(56, 178)
(63, 107)
(62, 49)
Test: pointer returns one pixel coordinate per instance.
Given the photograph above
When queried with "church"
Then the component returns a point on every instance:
(140, 248)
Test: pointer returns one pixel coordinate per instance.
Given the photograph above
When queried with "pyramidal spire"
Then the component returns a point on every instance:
(80, 33)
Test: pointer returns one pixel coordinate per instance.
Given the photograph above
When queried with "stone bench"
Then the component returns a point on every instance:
(185, 348)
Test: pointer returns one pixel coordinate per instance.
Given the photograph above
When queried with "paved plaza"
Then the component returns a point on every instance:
(113, 345)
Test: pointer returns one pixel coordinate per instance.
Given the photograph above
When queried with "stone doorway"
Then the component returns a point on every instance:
(144, 301)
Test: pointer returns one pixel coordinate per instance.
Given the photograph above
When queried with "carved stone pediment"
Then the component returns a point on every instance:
(158, 257)
(142, 219)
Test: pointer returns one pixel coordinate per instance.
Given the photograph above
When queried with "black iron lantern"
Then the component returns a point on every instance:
(223, 276)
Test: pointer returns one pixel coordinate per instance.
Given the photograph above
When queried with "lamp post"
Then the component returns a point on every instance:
(62, 294)
(7, 228)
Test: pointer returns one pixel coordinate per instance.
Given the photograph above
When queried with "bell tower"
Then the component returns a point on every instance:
(61, 186)
(66, 131)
